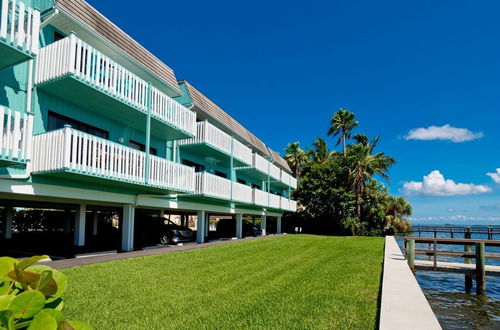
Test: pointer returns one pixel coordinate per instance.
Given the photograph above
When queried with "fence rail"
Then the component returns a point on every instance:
(490, 230)
(20, 25)
(71, 150)
(72, 56)
(15, 135)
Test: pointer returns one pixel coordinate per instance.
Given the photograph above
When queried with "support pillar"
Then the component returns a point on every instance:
(200, 227)
(263, 224)
(239, 225)
(81, 212)
(95, 223)
(128, 227)
(207, 226)
(7, 225)
(278, 225)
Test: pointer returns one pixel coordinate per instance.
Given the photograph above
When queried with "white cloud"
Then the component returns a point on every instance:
(445, 132)
(434, 184)
(495, 176)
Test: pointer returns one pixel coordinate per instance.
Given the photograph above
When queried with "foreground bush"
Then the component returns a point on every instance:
(30, 296)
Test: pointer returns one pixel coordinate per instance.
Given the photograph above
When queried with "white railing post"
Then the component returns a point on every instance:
(3, 19)
(67, 146)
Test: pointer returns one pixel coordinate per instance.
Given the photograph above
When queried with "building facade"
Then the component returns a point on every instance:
(90, 121)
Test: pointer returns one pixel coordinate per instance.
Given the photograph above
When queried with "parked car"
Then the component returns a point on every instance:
(227, 228)
(156, 230)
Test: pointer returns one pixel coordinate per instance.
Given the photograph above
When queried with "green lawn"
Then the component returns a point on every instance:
(294, 281)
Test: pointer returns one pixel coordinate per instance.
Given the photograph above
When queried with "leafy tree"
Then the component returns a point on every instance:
(342, 124)
(396, 209)
(362, 166)
(320, 153)
(296, 158)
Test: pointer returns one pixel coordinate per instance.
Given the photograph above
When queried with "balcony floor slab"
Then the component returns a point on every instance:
(10, 55)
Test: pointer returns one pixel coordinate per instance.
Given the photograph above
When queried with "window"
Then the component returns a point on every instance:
(197, 167)
(256, 186)
(58, 36)
(141, 147)
(242, 181)
(221, 174)
(57, 121)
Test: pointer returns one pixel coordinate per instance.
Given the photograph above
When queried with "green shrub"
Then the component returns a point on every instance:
(30, 296)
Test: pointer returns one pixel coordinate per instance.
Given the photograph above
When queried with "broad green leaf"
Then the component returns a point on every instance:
(30, 261)
(43, 321)
(7, 319)
(27, 304)
(54, 313)
(60, 278)
(5, 301)
(19, 277)
(6, 266)
(48, 288)
(5, 287)
(77, 325)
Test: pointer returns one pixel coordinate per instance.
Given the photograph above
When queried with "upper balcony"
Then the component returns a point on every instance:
(15, 136)
(215, 187)
(70, 153)
(19, 30)
(78, 73)
(212, 143)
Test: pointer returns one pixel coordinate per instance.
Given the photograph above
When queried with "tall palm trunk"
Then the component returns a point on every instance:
(343, 140)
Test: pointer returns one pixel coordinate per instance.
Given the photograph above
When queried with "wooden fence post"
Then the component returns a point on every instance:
(410, 254)
(480, 269)
(468, 277)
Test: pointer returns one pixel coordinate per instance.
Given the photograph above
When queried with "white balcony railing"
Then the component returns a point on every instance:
(212, 186)
(284, 203)
(172, 112)
(293, 206)
(15, 135)
(20, 25)
(242, 152)
(285, 178)
(169, 175)
(211, 135)
(242, 193)
(293, 182)
(71, 150)
(72, 56)
(260, 197)
(274, 201)
(260, 163)
(274, 172)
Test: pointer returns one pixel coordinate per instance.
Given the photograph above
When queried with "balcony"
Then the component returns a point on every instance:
(288, 204)
(68, 153)
(259, 168)
(216, 146)
(19, 30)
(15, 137)
(76, 72)
(242, 193)
(212, 186)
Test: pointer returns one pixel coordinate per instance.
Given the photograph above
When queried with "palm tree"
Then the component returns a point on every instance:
(363, 165)
(342, 124)
(320, 153)
(296, 158)
(396, 209)
(363, 139)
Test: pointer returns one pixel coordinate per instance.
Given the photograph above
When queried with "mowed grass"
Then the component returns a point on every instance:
(293, 281)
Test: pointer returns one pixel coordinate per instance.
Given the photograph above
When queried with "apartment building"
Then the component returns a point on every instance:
(90, 122)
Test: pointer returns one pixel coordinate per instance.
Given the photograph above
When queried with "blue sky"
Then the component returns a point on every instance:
(282, 68)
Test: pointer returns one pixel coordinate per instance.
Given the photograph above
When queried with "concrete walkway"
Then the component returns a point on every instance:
(72, 262)
(403, 304)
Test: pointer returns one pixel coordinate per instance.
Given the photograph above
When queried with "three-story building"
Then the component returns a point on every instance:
(91, 121)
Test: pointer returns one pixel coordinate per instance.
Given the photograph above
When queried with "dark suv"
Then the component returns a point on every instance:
(227, 228)
(154, 230)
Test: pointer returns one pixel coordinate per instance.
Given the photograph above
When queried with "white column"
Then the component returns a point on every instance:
(81, 212)
(278, 225)
(239, 225)
(200, 227)
(263, 224)
(94, 227)
(7, 226)
(128, 227)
